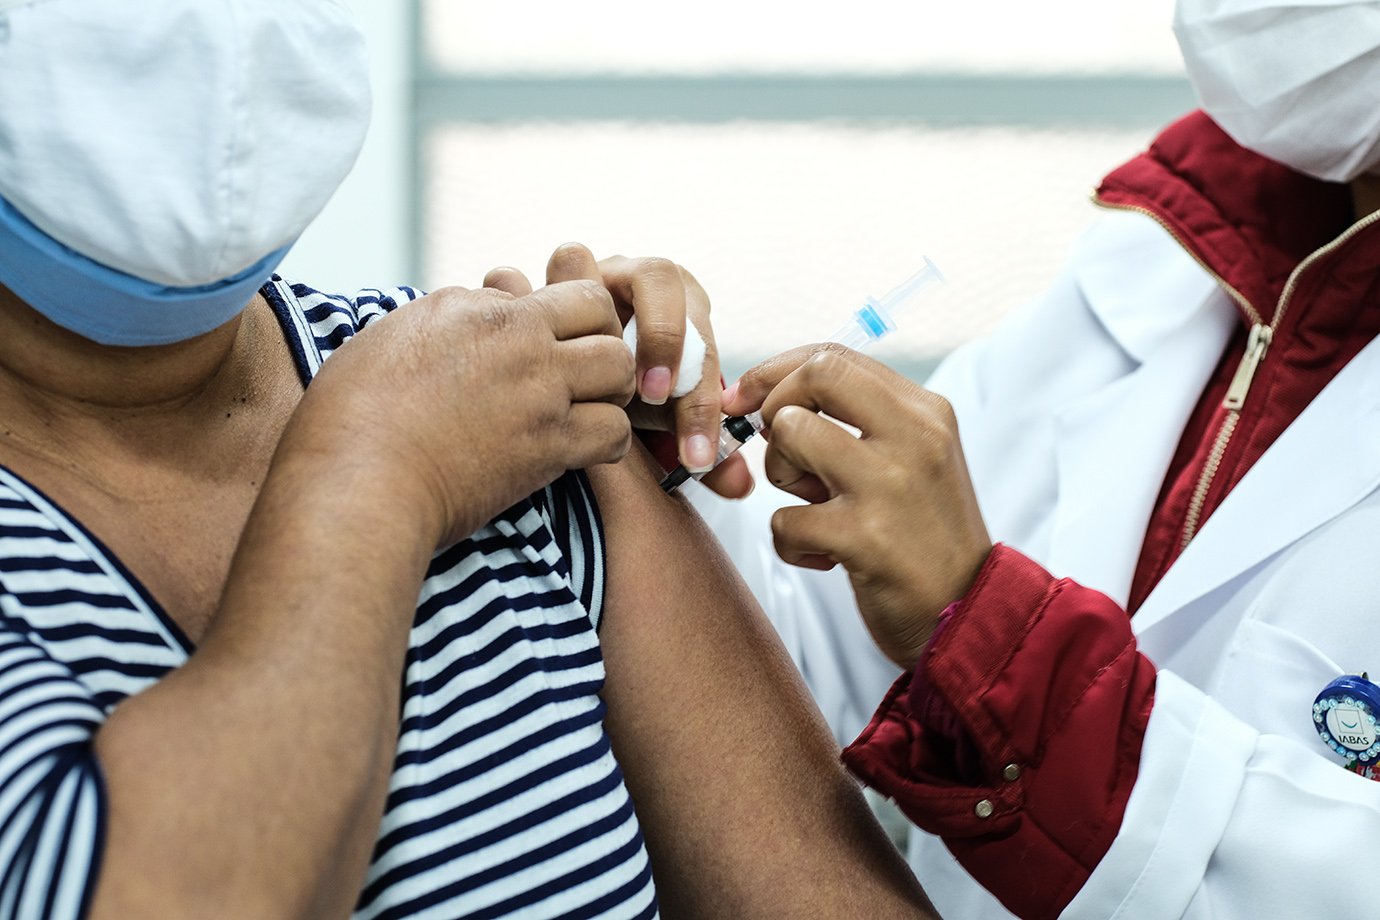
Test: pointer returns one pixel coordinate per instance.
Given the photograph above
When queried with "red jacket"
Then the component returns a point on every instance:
(1018, 738)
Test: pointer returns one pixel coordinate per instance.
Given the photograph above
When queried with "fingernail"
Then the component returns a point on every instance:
(656, 385)
(730, 393)
(699, 454)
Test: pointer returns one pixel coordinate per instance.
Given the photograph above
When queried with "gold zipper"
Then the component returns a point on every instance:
(1256, 346)
(1292, 283)
(1214, 460)
(1258, 343)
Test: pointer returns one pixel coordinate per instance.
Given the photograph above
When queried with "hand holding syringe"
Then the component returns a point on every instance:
(868, 325)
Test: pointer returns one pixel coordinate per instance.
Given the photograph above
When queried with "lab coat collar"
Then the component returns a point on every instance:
(1174, 319)
(1141, 308)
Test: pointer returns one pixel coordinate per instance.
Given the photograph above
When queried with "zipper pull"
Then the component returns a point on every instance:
(1256, 345)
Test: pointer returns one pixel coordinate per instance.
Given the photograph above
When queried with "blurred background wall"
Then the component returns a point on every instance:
(794, 157)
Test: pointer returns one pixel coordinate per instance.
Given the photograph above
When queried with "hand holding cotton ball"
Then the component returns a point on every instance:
(692, 356)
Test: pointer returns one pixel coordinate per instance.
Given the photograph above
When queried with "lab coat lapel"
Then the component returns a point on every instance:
(1324, 463)
(1161, 309)
(1113, 452)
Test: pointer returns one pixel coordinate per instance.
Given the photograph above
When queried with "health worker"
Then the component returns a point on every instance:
(1149, 699)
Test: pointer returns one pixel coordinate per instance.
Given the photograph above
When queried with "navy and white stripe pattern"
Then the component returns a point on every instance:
(505, 801)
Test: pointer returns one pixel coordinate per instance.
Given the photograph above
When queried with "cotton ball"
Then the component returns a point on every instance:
(691, 356)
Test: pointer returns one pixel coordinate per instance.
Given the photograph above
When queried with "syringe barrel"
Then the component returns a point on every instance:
(733, 434)
(867, 325)
(873, 321)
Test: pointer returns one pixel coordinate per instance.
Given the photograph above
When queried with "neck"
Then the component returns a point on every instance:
(55, 364)
(64, 396)
(1365, 194)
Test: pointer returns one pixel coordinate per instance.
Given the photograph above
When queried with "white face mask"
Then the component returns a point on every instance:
(157, 157)
(1296, 81)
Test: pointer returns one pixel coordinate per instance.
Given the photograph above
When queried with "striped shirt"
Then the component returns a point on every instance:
(505, 799)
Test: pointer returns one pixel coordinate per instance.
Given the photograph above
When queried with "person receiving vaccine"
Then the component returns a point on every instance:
(316, 605)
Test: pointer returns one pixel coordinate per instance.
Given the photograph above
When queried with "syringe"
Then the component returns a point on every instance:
(869, 324)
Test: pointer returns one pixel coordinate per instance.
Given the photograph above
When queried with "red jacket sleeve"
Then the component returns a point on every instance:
(1020, 740)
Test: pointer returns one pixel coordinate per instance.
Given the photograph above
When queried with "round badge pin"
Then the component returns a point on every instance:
(1346, 716)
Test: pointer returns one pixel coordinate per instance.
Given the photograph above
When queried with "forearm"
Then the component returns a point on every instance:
(250, 782)
(745, 807)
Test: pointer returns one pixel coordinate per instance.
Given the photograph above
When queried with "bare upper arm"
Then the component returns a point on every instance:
(737, 783)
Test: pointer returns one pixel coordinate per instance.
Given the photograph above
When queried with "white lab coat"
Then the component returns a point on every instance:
(1069, 415)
